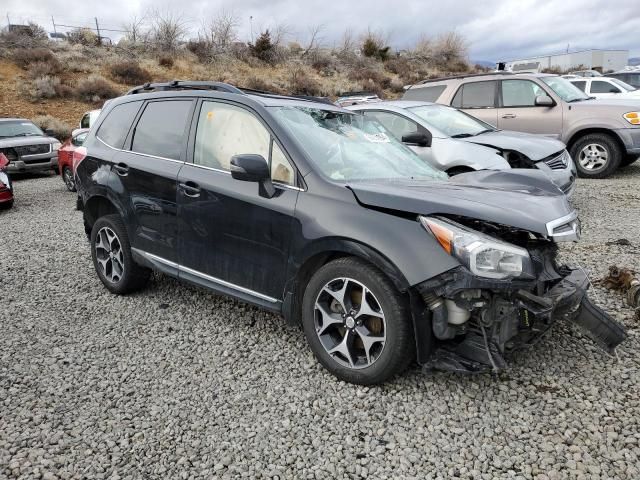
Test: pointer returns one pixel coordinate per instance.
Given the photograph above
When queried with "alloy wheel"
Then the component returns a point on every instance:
(593, 157)
(109, 255)
(350, 323)
(68, 179)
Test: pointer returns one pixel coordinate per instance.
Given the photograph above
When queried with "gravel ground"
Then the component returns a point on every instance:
(174, 382)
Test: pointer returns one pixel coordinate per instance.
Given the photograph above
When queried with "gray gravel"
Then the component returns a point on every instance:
(175, 382)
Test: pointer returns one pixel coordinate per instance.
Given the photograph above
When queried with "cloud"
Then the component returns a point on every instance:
(495, 29)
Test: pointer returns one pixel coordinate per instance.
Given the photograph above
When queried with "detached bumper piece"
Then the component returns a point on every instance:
(506, 321)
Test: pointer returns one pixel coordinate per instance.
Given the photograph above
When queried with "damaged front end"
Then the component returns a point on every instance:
(506, 294)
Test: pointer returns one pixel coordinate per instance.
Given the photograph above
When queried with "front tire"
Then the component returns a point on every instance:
(356, 322)
(69, 181)
(111, 253)
(596, 155)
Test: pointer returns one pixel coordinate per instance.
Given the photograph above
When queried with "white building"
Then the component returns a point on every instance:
(601, 60)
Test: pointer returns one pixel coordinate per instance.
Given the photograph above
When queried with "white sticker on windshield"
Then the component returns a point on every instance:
(377, 137)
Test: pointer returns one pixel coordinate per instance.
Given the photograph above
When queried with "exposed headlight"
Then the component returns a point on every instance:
(56, 146)
(632, 117)
(485, 256)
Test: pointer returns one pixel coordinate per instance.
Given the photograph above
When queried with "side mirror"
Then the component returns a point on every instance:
(544, 101)
(421, 139)
(614, 90)
(49, 132)
(253, 168)
(4, 161)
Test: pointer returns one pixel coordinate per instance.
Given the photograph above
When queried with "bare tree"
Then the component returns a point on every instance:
(167, 29)
(279, 33)
(220, 31)
(314, 39)
(135, 28)
(348, 44)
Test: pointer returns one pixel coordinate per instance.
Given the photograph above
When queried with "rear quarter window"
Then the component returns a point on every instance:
(425, 94)
(115, 127)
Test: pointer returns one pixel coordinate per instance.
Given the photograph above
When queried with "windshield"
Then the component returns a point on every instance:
(623, 85)
(565, 89)
(350, 147)
(18, 128)
(450, 121)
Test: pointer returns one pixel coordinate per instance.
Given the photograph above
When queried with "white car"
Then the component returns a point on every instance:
(605, 87)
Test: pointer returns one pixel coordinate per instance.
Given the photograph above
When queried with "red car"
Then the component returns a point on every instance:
(6, 189)
(70, 150)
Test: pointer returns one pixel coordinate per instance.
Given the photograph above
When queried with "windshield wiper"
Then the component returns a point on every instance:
(579, 99)
(487, 130)
(462, 135)
(25, 134)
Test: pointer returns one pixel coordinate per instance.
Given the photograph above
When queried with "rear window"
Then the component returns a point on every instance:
(114, 129)
(161, 129)
(475, 95)
(425, 94)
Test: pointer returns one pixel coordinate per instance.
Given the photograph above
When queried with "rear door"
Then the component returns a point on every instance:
(231, 238)
(518, 110)
(147, 170)
(478, 99)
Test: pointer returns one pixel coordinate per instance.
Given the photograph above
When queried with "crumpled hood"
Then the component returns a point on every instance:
(31, 140)
(535, 147)
(524, 199)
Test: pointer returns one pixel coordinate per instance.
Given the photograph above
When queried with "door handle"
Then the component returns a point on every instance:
(509, 115)
(190, 189)
(121, 169)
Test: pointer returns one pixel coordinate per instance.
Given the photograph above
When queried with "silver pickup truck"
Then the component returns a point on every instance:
(27, 147)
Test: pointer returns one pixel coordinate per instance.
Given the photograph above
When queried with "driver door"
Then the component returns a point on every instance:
(399, 126)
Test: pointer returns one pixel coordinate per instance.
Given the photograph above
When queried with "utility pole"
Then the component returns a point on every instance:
(8, 22)
(251, 27)
(98, 30)
(55, 32)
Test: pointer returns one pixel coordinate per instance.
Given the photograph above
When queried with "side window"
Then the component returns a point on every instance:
(398, 126)
(85, 122)
(581, 84)
(114, 129)
(160, 130)
(598, 86)
(226, 130)
(479, 95)
(520, 93)
(457, 98)
(425, 94)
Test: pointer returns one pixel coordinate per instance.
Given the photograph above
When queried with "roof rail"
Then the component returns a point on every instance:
(185, 85)
(454, 77)
(309, 98)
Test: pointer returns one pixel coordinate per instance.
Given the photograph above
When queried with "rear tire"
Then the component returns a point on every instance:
(69, 181)
(6, 205)
(596, 155)
(366, 338)
(111, 254)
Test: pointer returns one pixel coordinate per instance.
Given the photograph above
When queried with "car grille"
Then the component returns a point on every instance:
(559, 162)
(10, 153)
(33, 149)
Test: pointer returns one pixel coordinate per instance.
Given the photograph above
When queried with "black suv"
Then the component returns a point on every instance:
(318, 214)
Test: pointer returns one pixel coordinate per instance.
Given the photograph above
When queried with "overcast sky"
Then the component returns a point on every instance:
(494, 29)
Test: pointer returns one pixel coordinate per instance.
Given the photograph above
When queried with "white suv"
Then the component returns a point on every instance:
(605, 87)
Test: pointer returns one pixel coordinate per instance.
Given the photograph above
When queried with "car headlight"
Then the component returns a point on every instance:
(56, 146)
(632, 117)
(483, 255)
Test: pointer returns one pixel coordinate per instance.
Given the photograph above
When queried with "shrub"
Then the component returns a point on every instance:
(41, 69)
(82, 36)
(165, 61)
(49, 87)
(30, 36)
(24, 57)
(61, 130)
(258, 83)
(95, 89)
(370, 76)
(130, 73)
(302, 84)
(373, 47)
(200, 49)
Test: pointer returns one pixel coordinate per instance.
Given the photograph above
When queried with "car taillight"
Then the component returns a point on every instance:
(79, 154)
